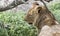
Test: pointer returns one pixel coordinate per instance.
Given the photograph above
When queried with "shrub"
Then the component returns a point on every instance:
(3, 32)
(15, 25)
(55, 8)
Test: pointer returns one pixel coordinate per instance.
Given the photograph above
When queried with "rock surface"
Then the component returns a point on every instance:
(24, 7)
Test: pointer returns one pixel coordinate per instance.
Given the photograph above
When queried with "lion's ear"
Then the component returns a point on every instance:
(39, 9)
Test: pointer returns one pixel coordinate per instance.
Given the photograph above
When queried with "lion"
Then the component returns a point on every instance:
(41, 17)
(44, 17)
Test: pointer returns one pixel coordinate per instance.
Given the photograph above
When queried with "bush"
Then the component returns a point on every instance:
(15, 25)
(55, 8)
(3, 32)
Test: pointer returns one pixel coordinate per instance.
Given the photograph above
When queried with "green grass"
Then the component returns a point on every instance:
(55, 9)
(16, 26)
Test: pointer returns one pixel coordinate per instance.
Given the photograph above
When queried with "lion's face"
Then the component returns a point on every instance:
(31, 15)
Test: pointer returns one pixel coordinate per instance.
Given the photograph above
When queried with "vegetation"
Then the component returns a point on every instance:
(55, 8)
(14, 25)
